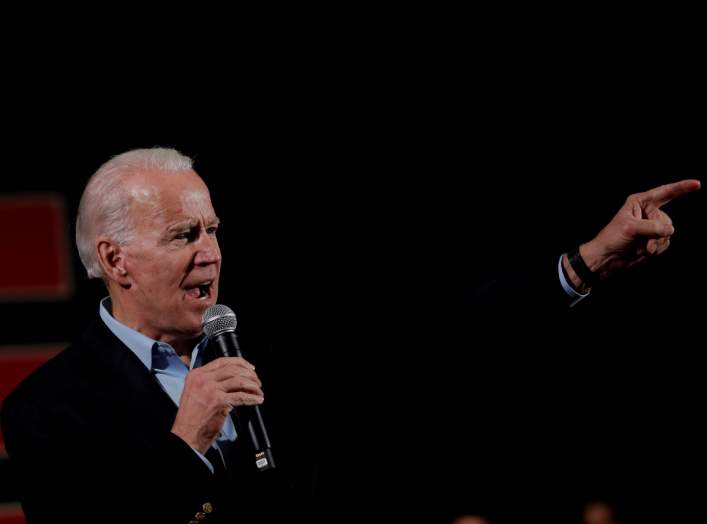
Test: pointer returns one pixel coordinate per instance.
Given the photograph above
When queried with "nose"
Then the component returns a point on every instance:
(207, 250)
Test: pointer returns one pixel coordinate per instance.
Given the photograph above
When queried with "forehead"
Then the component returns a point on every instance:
(169, 197)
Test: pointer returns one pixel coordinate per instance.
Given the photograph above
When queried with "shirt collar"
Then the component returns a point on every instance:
(138, 343)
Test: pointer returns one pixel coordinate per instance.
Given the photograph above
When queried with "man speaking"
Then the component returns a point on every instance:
(130, 424)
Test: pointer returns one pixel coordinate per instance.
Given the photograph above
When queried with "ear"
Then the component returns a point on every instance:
(112, 260)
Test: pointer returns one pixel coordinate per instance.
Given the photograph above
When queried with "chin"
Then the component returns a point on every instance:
(191, 327)
(192, 332)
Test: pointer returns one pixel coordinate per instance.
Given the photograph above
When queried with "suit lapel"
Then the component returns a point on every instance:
(125, 382)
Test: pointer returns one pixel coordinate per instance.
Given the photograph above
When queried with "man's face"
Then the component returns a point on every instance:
(173, 261)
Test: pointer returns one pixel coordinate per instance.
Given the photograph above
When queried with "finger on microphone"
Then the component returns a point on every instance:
(245, 399)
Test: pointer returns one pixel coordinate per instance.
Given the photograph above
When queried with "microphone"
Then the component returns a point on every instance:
(219, 324)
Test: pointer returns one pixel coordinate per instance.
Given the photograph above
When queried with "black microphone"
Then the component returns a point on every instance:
(219, 324)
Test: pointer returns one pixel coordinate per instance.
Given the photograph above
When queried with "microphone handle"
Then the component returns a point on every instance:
(226, 345)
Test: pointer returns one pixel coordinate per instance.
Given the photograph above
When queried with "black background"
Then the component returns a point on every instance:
(362, 190)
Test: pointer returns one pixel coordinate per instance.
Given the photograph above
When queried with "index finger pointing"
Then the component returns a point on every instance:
(661, 195)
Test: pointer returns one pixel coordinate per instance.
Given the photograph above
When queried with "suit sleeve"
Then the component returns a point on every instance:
(536, 286)
(66, 474)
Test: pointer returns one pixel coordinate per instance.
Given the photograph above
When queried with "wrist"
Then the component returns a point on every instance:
(592, 256)
(600, 262)
(575, 281)
(199, 444)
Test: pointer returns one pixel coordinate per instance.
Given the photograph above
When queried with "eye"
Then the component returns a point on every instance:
(212, 230)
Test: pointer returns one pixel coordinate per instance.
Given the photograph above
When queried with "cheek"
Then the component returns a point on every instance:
(158, 275)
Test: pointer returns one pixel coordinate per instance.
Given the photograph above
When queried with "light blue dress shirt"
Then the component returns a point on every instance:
(576, 297)
(165, 365)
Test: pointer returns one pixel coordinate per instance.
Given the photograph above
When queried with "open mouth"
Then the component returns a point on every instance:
(201, 291)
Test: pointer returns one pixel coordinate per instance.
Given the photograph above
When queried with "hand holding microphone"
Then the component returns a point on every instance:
(210, 393)
(219, 323)
(213, 390)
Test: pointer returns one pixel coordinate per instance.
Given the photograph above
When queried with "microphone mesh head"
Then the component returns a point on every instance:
(218, 319)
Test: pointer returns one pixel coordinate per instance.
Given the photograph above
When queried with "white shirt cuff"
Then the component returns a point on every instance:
(576, 297)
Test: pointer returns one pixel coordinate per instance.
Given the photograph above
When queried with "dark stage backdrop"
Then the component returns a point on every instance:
(355, 215)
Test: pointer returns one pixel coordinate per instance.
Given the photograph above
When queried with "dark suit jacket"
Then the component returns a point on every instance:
(89, 433)
(533, 287)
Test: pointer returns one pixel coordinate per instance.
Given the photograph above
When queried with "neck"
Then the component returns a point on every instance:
(183, 346)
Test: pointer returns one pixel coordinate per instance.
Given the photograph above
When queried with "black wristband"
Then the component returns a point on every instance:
(580, 267)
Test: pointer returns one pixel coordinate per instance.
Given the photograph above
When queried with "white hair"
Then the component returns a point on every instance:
(105, 202)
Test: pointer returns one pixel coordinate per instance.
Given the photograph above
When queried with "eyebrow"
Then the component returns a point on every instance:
(189, 224)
